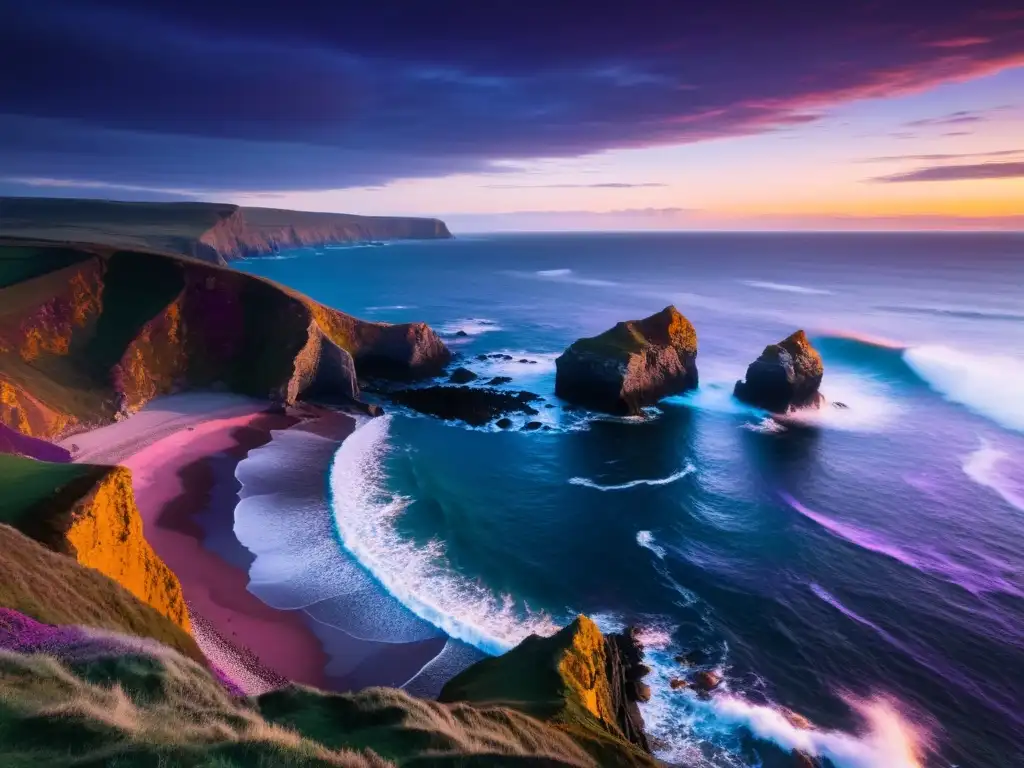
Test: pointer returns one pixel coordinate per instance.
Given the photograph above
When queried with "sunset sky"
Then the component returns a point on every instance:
(668, 115)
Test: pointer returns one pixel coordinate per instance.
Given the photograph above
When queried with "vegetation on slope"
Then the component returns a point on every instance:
(138, 709)
(56, 589)
(88, 513)
(84, 343)
(561, 680)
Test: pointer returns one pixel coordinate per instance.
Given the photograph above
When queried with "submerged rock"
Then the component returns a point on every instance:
(677, 683)
(476, 406)
(630, 366)
(786, 376)
(462, 375)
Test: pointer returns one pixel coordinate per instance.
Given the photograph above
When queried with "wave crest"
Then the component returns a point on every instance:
(634, 483)
(418, 576)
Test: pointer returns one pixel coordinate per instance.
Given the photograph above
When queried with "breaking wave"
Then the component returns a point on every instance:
(417, 575)
(990, 386)
(471, 326)
(634, 483)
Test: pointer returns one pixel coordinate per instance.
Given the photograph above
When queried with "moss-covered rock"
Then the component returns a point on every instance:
(632, 365)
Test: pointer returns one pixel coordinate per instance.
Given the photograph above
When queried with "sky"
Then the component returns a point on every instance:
(662, 114)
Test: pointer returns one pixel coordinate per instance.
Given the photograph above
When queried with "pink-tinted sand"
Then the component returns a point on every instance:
(253, 644)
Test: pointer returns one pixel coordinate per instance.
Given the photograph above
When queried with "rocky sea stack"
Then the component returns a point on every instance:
(786, 376)
(632, 365)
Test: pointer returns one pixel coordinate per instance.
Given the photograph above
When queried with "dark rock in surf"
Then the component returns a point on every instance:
(461, 333)
(532, 425)
(481, 357)
(499, 380)
(476, 406)
(624, 654)
(785, 377)
(630, 366)
(503, 423)
(462, 376)
(706, 681)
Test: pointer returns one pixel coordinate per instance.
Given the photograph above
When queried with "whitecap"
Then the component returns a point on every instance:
(990, 386)
(985, 467)
(471, 326)
(646, 540)
(786, 288)
(553, 272)
(689, 468)
(766, 426)
(388, 307)
(417, 575)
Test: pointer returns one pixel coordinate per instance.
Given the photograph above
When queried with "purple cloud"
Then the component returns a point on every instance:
(602, 185)
(178, 94)
(958, 173)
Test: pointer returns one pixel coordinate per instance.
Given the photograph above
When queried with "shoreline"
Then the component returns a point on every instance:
(182, 453)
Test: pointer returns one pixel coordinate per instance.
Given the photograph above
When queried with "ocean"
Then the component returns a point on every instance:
(862, 567)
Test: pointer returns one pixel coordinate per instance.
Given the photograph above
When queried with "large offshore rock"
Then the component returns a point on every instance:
(786, 376)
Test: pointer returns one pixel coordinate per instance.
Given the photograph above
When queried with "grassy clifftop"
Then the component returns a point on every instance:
(214, 232)
(90, 332)
(157, 708)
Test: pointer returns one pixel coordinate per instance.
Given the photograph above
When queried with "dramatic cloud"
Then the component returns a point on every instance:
(938, 157)
(958, 173)
(605, 185)
(182, 94)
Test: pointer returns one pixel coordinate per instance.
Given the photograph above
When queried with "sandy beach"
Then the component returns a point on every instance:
(182, 451)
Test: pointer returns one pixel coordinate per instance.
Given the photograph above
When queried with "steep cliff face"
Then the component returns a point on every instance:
(213, 232)
(561, 680)
(634, 364)
(259, 231)
(88, 513)
(85, 343)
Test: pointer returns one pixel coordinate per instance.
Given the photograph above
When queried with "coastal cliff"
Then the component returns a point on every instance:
(146, 704)
(88, 513)
(89, 334)
(213, 232)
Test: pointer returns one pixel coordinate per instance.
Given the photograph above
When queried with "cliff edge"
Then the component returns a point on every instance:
(213, 232)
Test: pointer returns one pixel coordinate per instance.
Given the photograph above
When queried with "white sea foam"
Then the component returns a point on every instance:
(990, 386)
(553, 272)
(646, 540)
(989, 466)
(472, 326)
(786, 288)
(766, 426)
(389, 307)
(418, 575)
(634, 483)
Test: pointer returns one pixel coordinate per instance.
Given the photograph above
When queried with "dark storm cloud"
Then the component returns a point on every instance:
(958, 173)
(310, 95)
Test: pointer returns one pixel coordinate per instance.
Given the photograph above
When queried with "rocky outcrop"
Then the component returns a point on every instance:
(213, 232)
(786, 376)
(625, 669)
(476, 406)
(83, 344)
(632, 365)
(564, 681)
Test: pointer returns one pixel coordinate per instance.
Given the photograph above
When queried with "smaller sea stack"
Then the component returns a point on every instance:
(632, 365)
(785, 377)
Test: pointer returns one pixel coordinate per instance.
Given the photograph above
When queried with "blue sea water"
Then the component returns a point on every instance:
(862, 566)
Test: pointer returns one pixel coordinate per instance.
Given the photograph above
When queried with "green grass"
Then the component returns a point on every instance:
(55, 589)
(29, 485)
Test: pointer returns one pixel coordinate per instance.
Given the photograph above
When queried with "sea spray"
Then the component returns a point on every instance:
(987, 385)
(417, 575)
